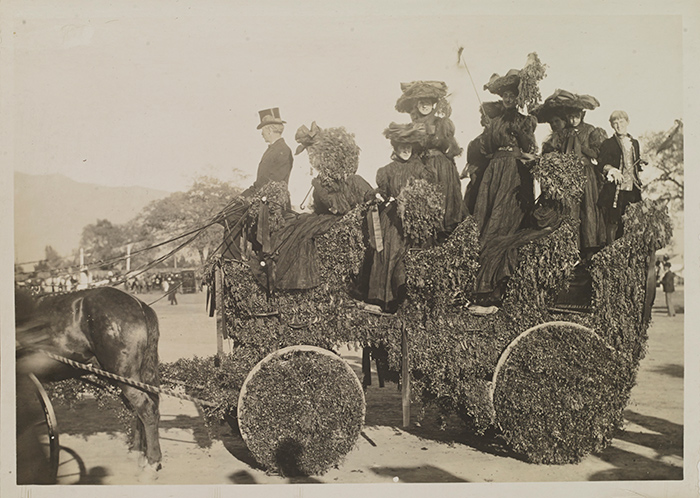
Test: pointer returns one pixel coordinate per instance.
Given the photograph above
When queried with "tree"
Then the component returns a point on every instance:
(51, 261)
(102, 242)
(182, 212)
(663, 177)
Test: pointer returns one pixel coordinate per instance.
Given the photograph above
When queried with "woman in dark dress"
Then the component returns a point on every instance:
(477, 161)
(505, 194)
(337, 190)
(554, 113)
(585, 140)
(425, 102)
(387, 276)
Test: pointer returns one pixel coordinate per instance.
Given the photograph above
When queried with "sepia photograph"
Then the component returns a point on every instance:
(330, 248)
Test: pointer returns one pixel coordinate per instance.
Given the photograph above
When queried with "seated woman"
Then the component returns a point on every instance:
(332, 152)
(292, 261)
(387, 278)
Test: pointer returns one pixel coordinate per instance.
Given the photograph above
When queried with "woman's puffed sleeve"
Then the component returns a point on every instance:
(525, 134)
(383, 182)
(595, 140)
(446, 133)
(486, 139)
(321, 197)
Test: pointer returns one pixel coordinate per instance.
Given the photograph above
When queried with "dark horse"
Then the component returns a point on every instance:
(106, 328)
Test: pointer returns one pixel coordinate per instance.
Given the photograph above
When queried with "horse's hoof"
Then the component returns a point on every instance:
(150, 472)
(146, 465)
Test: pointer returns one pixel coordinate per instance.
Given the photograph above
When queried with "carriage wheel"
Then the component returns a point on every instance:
(48, 429)
(301, 410)
(559, 391)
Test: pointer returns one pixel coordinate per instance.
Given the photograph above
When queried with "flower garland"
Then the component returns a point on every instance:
(421, 208)
(561, 177)
(530, 75)
(276, 196)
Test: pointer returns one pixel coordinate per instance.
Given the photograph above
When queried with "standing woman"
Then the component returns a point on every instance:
(505, 194)
(584, 140)
(426, 103)
(554, 114)
(387, 275)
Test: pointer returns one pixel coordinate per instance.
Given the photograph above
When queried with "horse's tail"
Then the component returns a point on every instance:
(150, 369)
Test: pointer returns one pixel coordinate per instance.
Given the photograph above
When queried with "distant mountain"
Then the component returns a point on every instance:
(53, 209)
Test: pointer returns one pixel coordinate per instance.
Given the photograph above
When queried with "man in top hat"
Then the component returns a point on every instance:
(275, 166)
(276, 162)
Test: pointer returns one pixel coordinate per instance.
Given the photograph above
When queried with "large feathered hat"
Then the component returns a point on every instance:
(499, 84)
(561, 103)
(417, 90)
(523, 82)
(410, 133)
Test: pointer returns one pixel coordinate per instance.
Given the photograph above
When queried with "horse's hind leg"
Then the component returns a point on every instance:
(146, 408)
(138, 440)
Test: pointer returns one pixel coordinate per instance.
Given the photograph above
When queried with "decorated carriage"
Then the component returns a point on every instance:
(551, 370)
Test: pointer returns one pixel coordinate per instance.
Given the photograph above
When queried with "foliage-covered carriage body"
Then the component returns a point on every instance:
(553, 377)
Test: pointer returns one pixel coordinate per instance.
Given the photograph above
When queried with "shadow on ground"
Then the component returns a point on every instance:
(384, 408)
(426, 473)
(671, 370)
(666, 441)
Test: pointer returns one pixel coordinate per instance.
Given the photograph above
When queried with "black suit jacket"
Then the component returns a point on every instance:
(275, 166)
(611, 154)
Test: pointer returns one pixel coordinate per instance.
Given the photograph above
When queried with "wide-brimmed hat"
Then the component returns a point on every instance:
(270, 116)
(523, 82)
(499, 84)
(561, 103)
(306, 137)
(417, 90)
(410, 133)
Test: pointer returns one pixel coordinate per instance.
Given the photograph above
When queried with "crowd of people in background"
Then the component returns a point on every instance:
(165, 282)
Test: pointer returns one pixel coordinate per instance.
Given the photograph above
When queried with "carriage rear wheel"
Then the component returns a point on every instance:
(559, 391)
(301, 410)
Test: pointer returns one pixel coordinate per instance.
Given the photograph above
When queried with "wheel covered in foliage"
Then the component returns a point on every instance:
(301, 410)
(559, 392)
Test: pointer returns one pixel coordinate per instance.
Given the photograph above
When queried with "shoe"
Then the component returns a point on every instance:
(482, 310)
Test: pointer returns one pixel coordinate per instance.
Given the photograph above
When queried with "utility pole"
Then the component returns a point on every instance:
(128, 257)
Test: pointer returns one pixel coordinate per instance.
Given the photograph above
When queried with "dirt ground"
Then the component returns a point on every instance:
(94, 449)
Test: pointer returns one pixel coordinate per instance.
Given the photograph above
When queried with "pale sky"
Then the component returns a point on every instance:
(121, 97)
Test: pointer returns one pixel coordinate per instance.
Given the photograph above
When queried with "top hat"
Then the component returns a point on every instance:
(270, 116)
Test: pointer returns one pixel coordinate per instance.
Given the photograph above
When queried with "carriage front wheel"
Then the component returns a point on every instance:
(559, 391)
(301, 410)
(38, 448)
